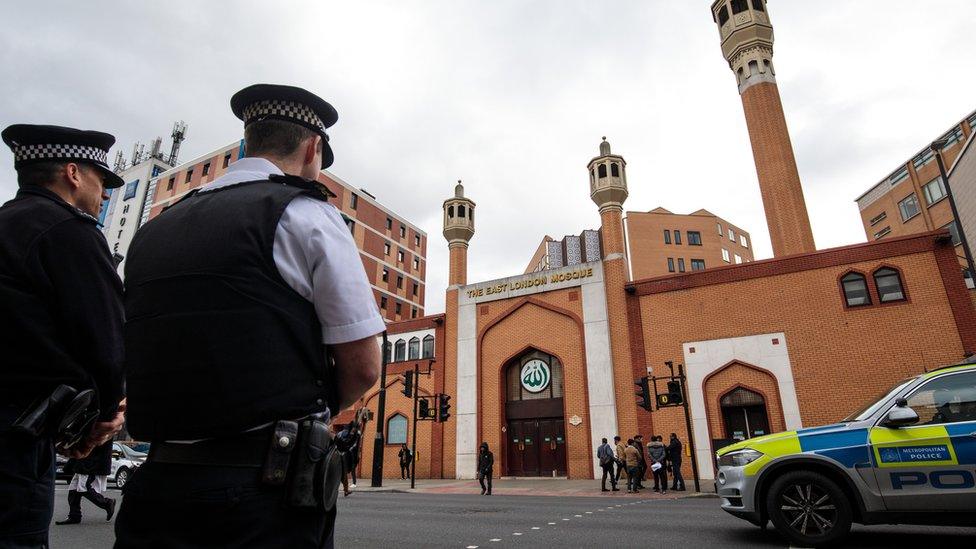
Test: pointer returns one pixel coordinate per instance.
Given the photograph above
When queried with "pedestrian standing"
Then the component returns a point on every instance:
(259, 280)
(486, 464)
(90, 481)
(350, 438)
(642, 464)
(675, 450)
(60, 317)
(606, 457)
(406, 457)
(632, 459)
(621, 459)
(657, 453)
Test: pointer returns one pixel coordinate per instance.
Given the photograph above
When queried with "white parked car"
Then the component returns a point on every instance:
(125, 460)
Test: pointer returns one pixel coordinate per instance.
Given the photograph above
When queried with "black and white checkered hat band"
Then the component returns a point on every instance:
(51, 151)
(277, 108)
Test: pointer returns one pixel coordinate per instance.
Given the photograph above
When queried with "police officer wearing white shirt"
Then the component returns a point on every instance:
(247, 305)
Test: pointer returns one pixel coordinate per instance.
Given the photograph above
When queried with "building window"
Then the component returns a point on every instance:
(670, 264)
(614, 170)
(909, 207)
(416, 264)
(898, 176)
(694, 238)
(388, 352)
(400, 351)
(725, 255)
(758, 5)
(416, 240)
(921, 160)
(353, 201)
(170, 183)
(350, 223)
(739, 6)
(889, 285)
(450, 212)
(428, 346)
(413, 312)
(460, 210)
(400, 256)
(389, 224)
(396, 429)
(189, 176)
(731, 234)
(934, 191)
(398, 308)
(878, 218)
(681, 265)
(206, 169)
(386, 274)
(383, 302)
(130, 189)
(386, 248)
(226, 160)
(601, 171)
(413, 348)
(855, 290)
(882, 232)
(697, 264)
(719, 227)
(399, 282)
(743, 241)
(667, 236)
(738, 259)
(416, 288)
(954, 231)
(723, 16)
(677, 236)
(403, 231)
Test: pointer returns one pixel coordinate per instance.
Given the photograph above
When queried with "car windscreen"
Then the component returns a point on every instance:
(872, 405)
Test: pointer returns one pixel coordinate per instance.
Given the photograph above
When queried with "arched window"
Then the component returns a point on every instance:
(889, 285)
(461, 210)
(592, 175)
(450, 211)
(551, 387)
(758, 5)
(855, 290)
(740, 75)
(753, 68)
(413, 349)
(739, 6)
(428, 346)
(400, 351)
(744, 414)
(615, 170)
(396, 429)
(723, 16)
(388, 351)
(768, 66)
(601, 171)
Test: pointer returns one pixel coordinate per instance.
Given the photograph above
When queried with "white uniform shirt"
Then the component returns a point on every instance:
(316, 255)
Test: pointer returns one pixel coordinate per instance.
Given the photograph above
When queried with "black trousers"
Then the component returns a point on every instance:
(661, 479)
(178, 506)
(608, 471)
(74, 499)
(404, 470)
(621, 467)
(485, 478)
(26, 486)
(679, 481)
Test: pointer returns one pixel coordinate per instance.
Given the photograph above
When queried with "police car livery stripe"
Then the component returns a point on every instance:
(847, 447)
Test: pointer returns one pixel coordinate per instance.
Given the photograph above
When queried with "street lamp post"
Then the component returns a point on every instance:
(937, 147)
(377, 479)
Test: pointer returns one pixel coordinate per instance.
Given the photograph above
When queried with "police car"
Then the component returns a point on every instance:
(908, 457)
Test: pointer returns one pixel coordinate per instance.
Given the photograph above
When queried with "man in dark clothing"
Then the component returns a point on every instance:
(406, 457)
(605, 455)
(486, 464)
(60, 314)
(89, 482)
(674, 460)
(658, 455)
(642, 462)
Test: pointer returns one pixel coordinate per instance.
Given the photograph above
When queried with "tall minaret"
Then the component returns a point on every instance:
(608, 189)
(747, 43)
(458, 230)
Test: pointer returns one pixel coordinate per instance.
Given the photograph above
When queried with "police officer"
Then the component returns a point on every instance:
(60, 313)
(247, 308)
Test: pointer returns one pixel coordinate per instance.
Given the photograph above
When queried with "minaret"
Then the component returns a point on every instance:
(458, 230)
(608, 189)
(747, 43)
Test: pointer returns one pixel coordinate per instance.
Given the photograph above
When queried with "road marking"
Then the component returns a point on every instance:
(495, 539)
(578, 516)
(565, 519)
(472, 547)
(516, 533)
(589, 512)
(536, 527)
(552, 523)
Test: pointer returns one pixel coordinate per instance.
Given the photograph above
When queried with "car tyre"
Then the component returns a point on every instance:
(121, 477)
(809, 509)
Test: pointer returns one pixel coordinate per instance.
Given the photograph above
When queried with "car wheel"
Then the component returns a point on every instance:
(809, 509)
(121, 477)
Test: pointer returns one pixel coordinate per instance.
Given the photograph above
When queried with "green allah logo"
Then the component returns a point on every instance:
(535, 376)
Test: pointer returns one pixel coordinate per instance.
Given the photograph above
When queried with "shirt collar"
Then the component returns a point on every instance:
(245, 169)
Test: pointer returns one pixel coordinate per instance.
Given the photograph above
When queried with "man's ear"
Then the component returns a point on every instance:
(72, 174)
(312, 146)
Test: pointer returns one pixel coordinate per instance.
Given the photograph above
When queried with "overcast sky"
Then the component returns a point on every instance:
(512, 97)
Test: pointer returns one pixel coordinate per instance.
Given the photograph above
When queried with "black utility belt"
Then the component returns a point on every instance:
(298, 455)
(65, 416)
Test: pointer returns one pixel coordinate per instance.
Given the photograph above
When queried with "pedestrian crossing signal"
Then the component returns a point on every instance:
(644, 393)
(424, 408)
(671, 398)
(444, 407)
(407, 384)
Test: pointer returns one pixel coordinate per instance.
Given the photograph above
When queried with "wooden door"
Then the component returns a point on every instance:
(515, 449)
(531, 448)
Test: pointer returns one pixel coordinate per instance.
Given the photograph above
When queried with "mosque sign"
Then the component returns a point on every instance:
(535, 376)
(534, 283)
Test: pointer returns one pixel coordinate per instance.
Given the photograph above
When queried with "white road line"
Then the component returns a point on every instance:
(472, 547)
(536, 527)
(578, 516)
(551, 523)
(565, 519)
(495, 539)
(516, 533)
(589, 512)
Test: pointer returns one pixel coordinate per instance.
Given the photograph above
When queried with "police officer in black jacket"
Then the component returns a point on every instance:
(60, 313)
(249, 320)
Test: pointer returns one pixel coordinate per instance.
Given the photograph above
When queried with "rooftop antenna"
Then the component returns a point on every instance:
(156, 145)
(119, 162)
(135, 153)
(179, 134)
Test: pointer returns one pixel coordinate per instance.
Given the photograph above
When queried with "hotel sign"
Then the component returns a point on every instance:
(533, 283)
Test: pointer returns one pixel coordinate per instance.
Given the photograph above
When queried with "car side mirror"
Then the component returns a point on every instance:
(901, 415)
(116, 455)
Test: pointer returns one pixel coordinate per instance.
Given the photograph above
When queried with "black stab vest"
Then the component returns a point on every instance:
(216, 341)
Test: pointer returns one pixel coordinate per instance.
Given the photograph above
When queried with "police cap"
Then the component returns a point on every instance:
(290, 104)
(32, 144)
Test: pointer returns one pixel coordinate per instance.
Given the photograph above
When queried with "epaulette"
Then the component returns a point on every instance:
(302, 183)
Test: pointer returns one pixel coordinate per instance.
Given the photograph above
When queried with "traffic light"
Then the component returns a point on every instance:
(444, 407)
(644, 393)
(674, 389)
(407, 384)
(424, 408)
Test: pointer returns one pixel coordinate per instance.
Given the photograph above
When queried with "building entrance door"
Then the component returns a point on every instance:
(744, 414)
(536, 448)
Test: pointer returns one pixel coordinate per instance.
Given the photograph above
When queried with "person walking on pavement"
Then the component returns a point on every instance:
(658, 455)
(90, 481)
(486, 464)
(406, 457)
(605, 454)
(674, 461)
(621, 458)
(258, 277)
(632, 459)
(349, 439)
(642, 465)
(60, 317)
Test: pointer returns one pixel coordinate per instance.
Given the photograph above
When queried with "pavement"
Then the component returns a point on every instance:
(524, 487)
(471, 521)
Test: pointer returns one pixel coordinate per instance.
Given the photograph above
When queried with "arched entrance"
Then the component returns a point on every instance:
(535, 432)
(744, 414)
